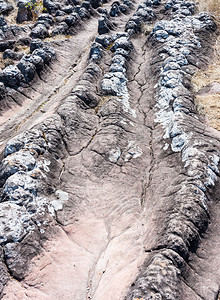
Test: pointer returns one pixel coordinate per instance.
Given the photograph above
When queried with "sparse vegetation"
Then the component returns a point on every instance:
(23, 49)
(147, 28)
(36, 8)
(5, 62)
(209, 104)
(57, 38)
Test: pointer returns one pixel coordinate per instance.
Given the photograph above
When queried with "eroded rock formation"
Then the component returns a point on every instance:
(109, 175)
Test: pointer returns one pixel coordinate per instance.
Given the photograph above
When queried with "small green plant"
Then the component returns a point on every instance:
(36, 8)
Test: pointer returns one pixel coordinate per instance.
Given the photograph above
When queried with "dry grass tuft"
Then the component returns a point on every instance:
(22, 49)
(147, 28)
(58, 37)
(5, 62)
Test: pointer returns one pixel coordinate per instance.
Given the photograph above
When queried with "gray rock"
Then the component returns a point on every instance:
(105, 41)
(171, 66)
(24, 41)
(29, 140)
(62, 28)
(119, 60)
(8, 53)
(3, 22)
(72, 19)
(18, 255)
(36, 44)
(123, 8)
(128, 3)
(122, 52)
(113, 83)
(5, 7)
(68, 9)
(51, 6)
(18, 184)
(59, 13)
(96, 52)
(160, 35)
(208, 22)
(88, 97)
(159, 280)
(28, 69)
(115, 10)
(47, 18)
(36, 60)
(24, 10)
(96, 3)
(82, 12)
(6, 45)
(171, 78)
(117, 68)
(45, 55)
(104, 25)
(40, 31)
(133, 27)
(146, 14)
(18, 161)
(14, 222)
(122, 43)
(11, 76)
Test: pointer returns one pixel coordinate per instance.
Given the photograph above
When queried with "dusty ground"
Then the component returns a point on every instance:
(206, 82)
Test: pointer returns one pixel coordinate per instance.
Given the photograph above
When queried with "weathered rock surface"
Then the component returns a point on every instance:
(109, 176)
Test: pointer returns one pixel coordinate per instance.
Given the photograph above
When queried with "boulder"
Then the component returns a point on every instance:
(36, 44)
(34, 59)
(72, 19)
(8, 53)
(5, 7)
(6, 45)
(62, 28)
(11, 76)
(51, 6)
(40, 31)
(68, 9)
(96, 52)
(24, 11)
(115, 10)
(45, 54)
(28, 69)
(14, 221)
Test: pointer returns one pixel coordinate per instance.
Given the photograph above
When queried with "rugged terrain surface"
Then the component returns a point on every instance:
(109, 173)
